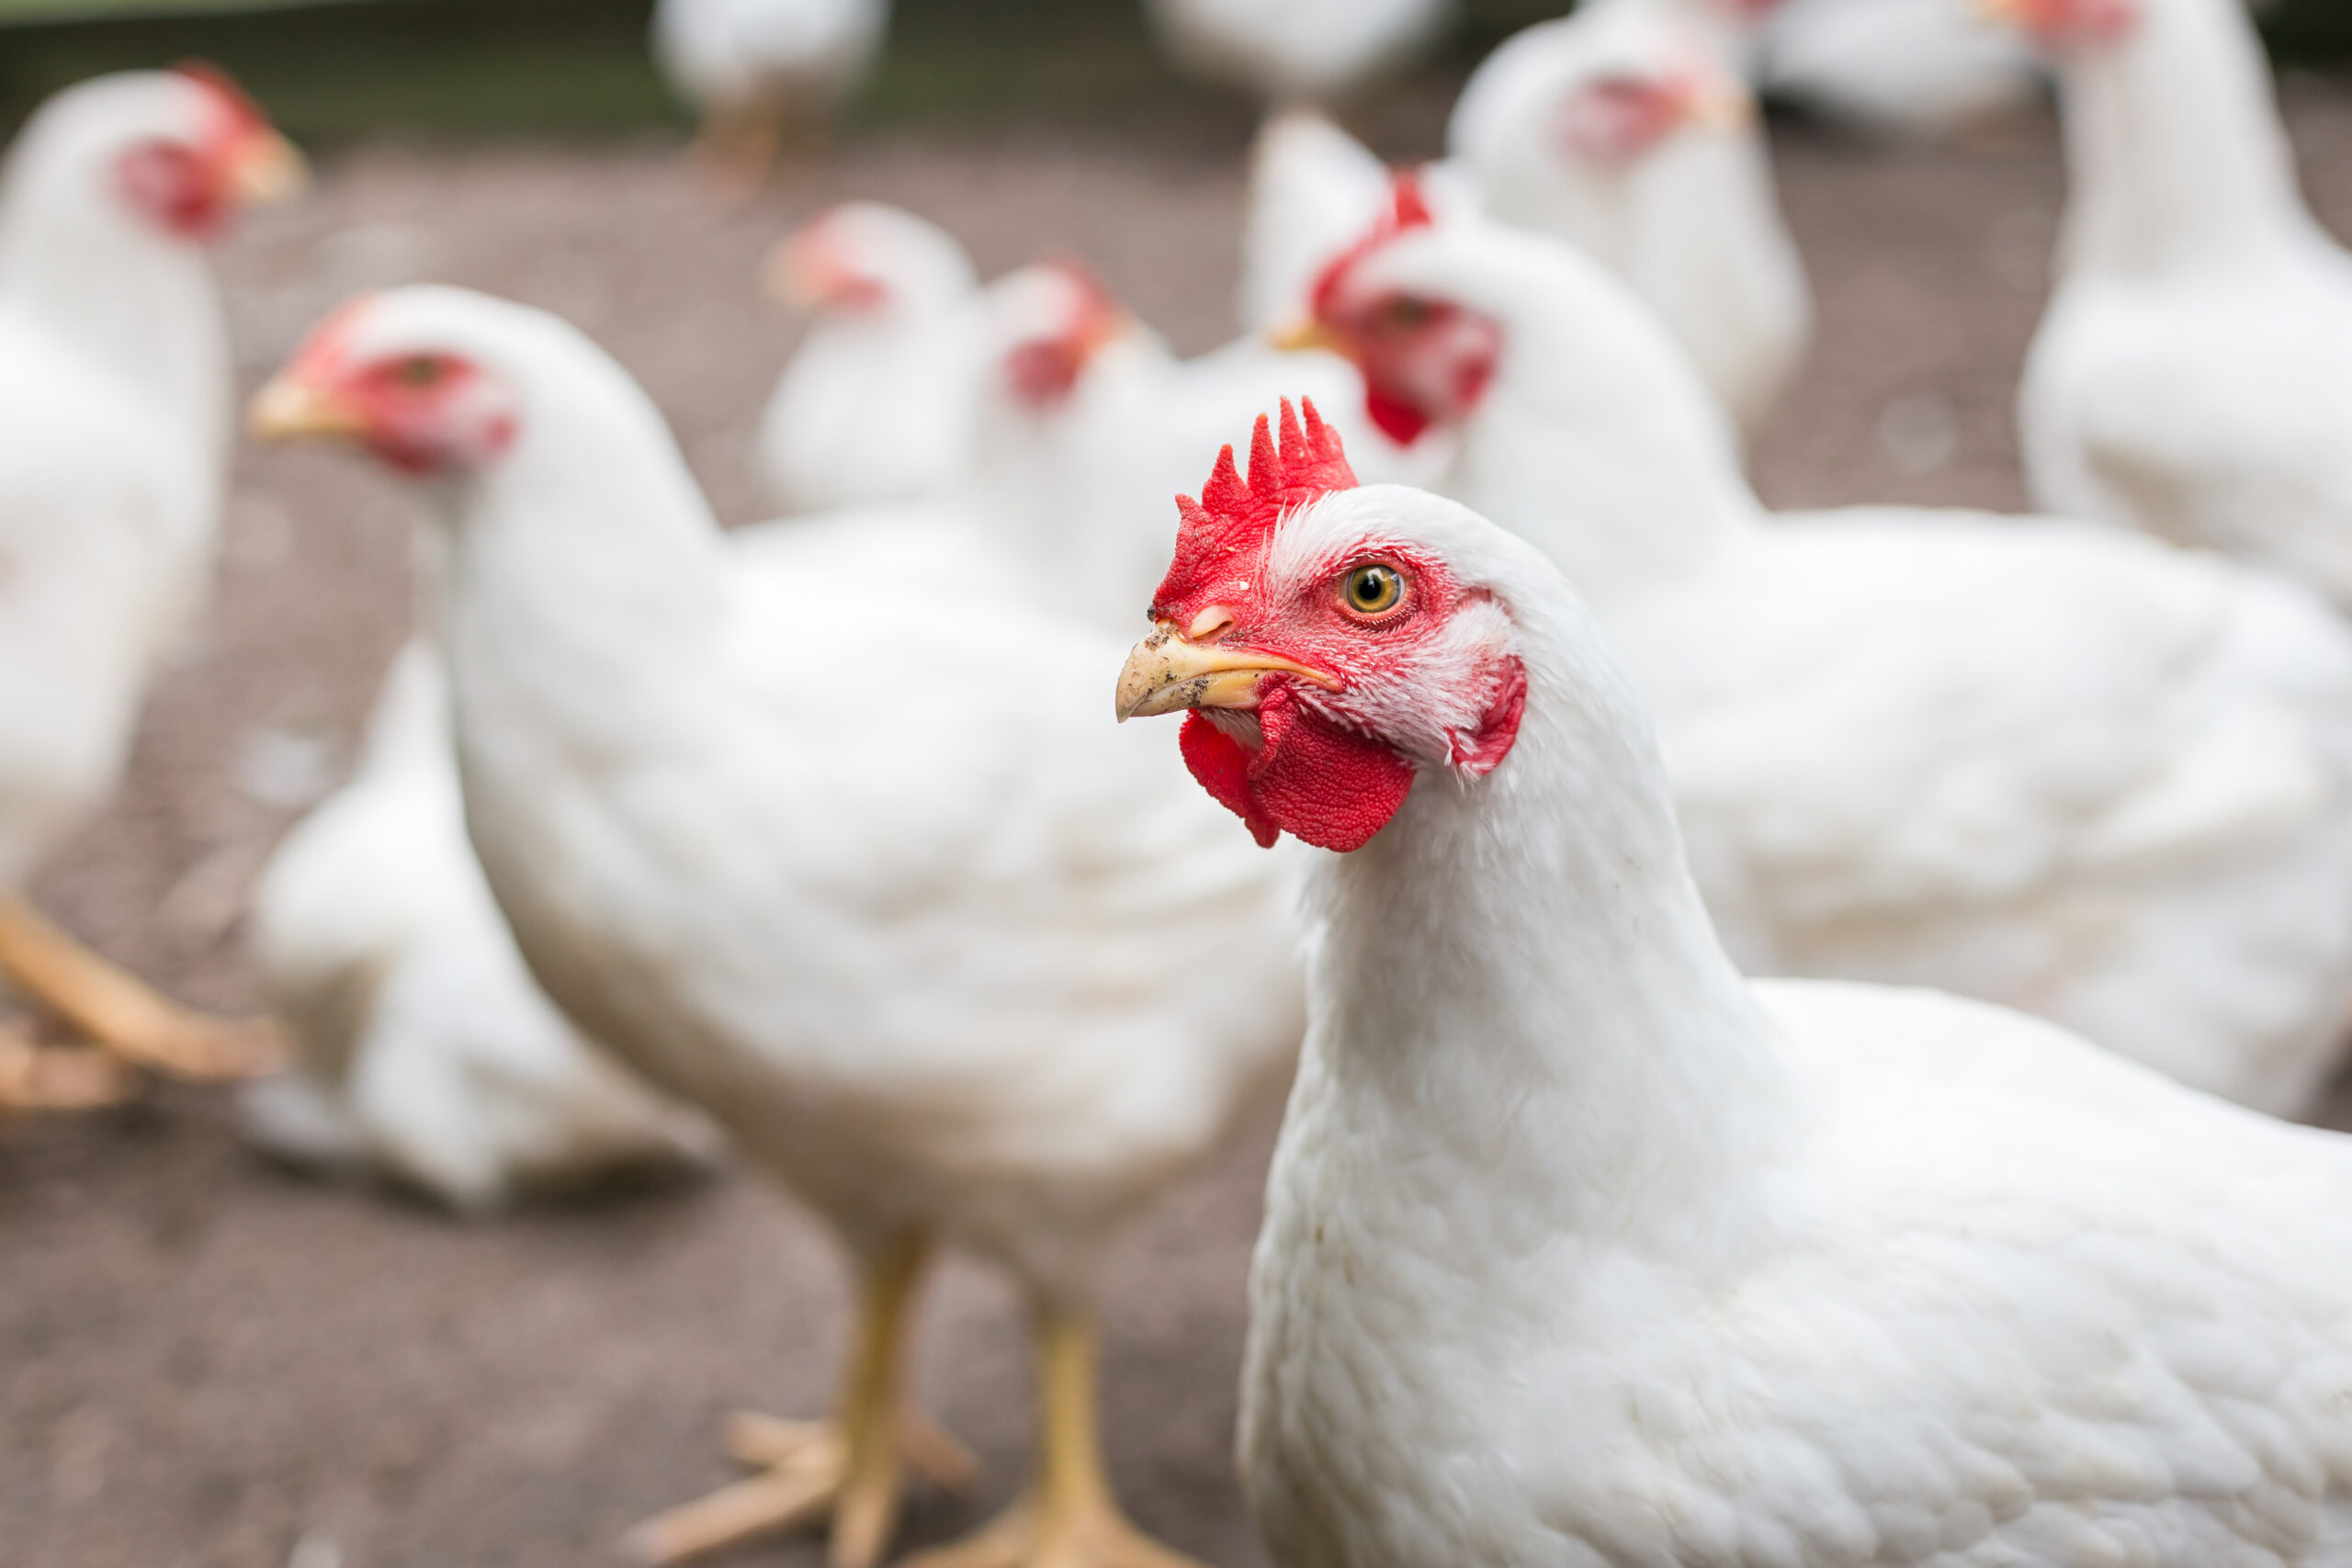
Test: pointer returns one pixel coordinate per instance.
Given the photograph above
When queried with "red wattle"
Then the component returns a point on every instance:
(1221, 763)
(1400, 421)
(1326, 785)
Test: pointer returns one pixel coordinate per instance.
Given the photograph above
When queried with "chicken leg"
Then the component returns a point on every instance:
(1067, 1519)
(59, 1078)
(120, 1012)
(850, 1465)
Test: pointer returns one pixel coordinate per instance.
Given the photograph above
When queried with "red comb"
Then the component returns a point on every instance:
(242, 113)
(1233, 517)
(1408, 210)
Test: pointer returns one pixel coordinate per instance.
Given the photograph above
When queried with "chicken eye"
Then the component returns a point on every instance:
(417, 372)
(1372, 589)
(1402, 312)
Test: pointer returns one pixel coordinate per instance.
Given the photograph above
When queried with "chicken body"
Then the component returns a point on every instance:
(910, 952)
(1625, 130)
(1299, 52)
(2193, 374)
(424, 1049)
(2057, 767)
(1579, 1248)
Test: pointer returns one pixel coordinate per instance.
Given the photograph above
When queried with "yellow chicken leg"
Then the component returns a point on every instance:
(65, 1078)
(850, 1465)
(120, 1012)
(1067, 1519)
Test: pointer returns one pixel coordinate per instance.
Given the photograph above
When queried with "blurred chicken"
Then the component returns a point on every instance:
(2193, 374)
(114, 407)
(424, 1050)
(2056, 766)
(849, 858)
(1290, 52)
(1625, 130)
(762, 71)
(875, 408)
(1909, 68)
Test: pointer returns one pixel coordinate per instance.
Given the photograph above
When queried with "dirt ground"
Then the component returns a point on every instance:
(206, 1362)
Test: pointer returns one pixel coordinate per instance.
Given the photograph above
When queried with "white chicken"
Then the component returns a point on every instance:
(1580, 1249)
(114, 405)
(424, 1049)
(875, 408)
(2193, 374)
(912, 952)
(1087, 424)
(2060, 767)
(1909, 68)
(1292, 52)
(759, 70)
(1312, 190)
(1625, 130)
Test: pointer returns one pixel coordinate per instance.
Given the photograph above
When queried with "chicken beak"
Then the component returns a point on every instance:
(268, 168)
(1168, 671)
(2003, 13)
(1306, 336)
(1714, 100)
(285, 409)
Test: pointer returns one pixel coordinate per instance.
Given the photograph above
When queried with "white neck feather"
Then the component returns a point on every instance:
(1596, 440)
(584, 565)
(91, 271)
(2173, 145)
(1519, 998)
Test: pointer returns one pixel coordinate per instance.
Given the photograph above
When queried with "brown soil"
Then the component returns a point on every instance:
(206, 1362)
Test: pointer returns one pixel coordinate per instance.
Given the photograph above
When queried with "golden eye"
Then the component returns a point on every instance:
(1403, 312)
(417, 371)
(1372, 589)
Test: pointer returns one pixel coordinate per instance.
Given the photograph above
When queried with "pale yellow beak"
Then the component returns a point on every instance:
(2016, 14)
(285, 409)
(1720, 102)
(1306, 335)
(1168, 671)
(268, 169)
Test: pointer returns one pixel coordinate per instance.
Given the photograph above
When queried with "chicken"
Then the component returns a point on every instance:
(426, 1051)
(875, 408)
(2064, 768)
(1313, 189)
(911, 953)
(1579, 1248)
(1625, 130)
(1293, 52)
(1087, 424)
(1905, 69)
(2193, 373)
(114, 402)
(760, 70)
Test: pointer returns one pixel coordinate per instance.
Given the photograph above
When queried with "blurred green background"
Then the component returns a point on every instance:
(332, 70)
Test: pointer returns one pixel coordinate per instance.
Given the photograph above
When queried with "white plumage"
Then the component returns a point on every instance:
(876, 406)
(849, 859)
(113, 401)
(1625, 130)
(744, 57)
(424, 1048)
(1580, 1249)
(2193, 374)
(1299, 52)
(1899, 68)
(2056, 767)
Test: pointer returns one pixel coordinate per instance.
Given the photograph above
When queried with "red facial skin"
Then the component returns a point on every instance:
(822, 271)
(1619, 120)
(1319, 766)
(1042, 371)
(1424, 361)
(188, 190)
(422, 413)
(2060, 25)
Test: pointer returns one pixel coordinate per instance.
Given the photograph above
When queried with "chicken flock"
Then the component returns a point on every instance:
(1519, 743)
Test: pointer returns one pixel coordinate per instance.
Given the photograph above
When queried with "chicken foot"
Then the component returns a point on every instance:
(1067, 1518)
(120, 1013)
(59, 1078)
(850, 1466)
